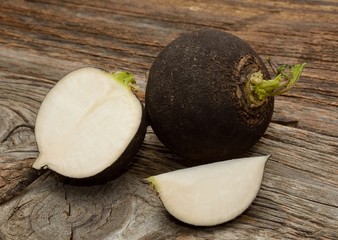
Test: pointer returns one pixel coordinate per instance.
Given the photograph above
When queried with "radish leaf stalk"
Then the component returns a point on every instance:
(259, 89)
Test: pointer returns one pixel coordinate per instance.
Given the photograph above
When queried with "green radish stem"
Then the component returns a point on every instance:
(125, 78)
(259, 89)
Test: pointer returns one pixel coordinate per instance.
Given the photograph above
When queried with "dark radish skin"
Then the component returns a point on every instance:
(206, 97)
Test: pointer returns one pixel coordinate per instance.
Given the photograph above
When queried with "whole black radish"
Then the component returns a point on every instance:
(209, 96)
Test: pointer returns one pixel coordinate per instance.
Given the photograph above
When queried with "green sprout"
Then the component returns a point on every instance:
(125, 78)
(287, 77)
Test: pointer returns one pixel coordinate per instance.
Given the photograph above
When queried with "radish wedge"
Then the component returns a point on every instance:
(211, 194)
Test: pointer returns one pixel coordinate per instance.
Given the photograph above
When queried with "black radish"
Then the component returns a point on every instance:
(209, 96)
(90, 126)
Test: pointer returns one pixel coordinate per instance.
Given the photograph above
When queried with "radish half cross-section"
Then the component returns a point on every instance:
(90, 126)
(211, 194)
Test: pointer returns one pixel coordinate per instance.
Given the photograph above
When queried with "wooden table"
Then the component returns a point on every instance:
(42, 40)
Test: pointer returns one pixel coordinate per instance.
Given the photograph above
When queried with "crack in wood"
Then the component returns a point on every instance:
(19, 127)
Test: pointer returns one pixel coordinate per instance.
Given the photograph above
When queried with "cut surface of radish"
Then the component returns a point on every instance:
(211, 194)
(85, 123)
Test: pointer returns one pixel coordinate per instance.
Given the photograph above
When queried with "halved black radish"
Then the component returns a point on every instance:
(90, 126)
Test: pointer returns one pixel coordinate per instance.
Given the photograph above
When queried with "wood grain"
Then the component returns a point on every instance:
(41, 40)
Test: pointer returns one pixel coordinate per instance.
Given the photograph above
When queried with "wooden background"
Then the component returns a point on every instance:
(42, 40)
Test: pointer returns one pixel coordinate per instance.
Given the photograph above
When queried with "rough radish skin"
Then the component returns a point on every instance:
(209, 96)
(89, 126)
(195, 97)
(211, 194)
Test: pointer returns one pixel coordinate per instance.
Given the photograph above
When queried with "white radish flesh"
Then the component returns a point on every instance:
(211, 194)
(85, 123)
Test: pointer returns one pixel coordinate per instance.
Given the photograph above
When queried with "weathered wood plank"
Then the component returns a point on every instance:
(42, 40)
(295, 201)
